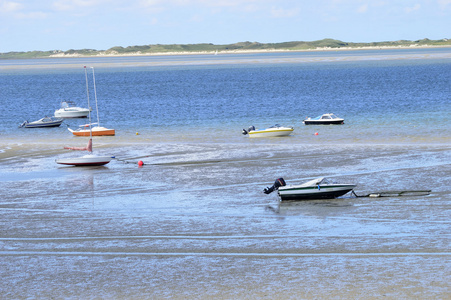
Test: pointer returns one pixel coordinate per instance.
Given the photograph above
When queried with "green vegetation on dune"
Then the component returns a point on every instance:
(205, 47)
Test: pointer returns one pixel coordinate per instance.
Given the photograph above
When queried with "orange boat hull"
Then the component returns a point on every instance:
(95, 132)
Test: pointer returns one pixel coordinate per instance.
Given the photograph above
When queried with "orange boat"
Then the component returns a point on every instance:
(88, 129)
(96, 131)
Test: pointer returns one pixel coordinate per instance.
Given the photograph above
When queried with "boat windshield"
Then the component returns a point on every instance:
(315, 182)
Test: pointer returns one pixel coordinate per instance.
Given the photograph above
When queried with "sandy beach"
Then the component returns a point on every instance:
(126, 232)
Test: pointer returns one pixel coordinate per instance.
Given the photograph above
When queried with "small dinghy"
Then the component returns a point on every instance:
(319, 188)
(42, 123)
(272, 131)
(85, 160)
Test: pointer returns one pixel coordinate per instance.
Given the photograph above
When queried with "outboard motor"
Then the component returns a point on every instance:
(251, 128)
(279, 182)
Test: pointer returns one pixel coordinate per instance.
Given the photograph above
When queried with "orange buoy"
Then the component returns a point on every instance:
(316, 133)
(140, 163)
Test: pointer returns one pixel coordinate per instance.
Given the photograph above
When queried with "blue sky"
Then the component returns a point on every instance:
(27, 25)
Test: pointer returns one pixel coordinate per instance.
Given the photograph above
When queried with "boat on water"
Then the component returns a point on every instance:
(96, 131)
(326, 119)
(88, 129)
(89, 159)
(70, 110)
(319, 188)
(42, 123)
(272, 131)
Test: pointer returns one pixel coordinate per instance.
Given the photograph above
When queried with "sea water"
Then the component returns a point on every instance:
(193, 222)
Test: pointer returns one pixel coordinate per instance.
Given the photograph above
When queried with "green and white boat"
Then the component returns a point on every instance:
(319, 188)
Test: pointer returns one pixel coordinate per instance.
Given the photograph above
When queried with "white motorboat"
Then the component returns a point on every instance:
(272, 131)
(42, 123)
(319, 188)
(326, 119)
(69, 110)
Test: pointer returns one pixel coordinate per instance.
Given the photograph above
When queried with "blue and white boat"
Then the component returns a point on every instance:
(44, 122)
(326, 119)
(319, 188)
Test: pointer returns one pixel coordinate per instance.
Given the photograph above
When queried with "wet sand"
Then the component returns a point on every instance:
(194, 223)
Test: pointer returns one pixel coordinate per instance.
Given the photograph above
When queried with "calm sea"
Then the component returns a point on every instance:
(193, 222)
(385, 96)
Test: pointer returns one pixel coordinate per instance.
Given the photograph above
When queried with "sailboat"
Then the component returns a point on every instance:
(87, 129)
(89, 159)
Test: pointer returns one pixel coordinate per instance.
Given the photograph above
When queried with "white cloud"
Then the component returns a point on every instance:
(202, 3)
(67, 5)
(20, 11)
(34, 15)
(444, 3)
(362, 9)
(412, 8)
(284, 13)
(9, 6)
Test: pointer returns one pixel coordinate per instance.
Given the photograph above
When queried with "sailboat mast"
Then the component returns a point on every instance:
(95, 95)
(89, 106)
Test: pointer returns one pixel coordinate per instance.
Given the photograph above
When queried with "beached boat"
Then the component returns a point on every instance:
(326, 119)
(88, 129)
(319, 188)
(85, 160)
(69, 110)
(42, 123)
(90, 159)
(272, 131)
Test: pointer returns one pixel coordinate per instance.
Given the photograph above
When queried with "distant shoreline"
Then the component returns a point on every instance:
(226, 57)
(244, 51)
(240, 47)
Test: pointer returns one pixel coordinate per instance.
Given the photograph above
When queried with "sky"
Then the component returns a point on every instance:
(29, 25)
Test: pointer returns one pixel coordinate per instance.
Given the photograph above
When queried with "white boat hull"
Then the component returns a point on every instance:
(271, 132)
(72, 113)
(327, 191)
(86, 160)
